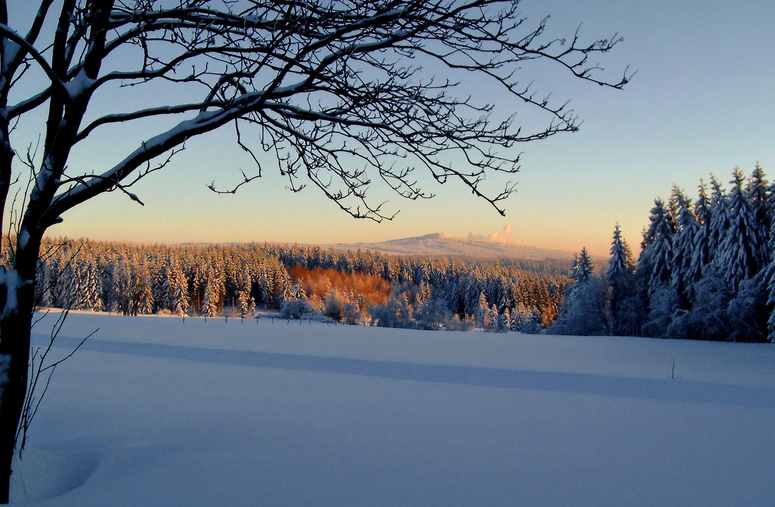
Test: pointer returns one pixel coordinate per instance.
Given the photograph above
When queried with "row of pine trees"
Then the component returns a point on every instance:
(234, 279)
(706, 270)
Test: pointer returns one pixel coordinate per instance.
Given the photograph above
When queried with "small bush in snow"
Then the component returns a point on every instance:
(351, 314)
(296, 309)
(432, 314)
(333, 306)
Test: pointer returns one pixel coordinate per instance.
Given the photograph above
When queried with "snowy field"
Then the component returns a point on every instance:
(155, 411)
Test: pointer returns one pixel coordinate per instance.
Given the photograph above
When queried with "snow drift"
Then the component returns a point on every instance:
(161, 411)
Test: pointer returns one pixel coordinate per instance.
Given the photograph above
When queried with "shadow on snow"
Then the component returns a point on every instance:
(580, 383)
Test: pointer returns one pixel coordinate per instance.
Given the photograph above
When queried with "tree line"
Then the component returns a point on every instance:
(235, 279)
(706, 270)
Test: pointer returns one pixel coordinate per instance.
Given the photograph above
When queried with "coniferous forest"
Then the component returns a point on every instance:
(706, 270)
(356, 287)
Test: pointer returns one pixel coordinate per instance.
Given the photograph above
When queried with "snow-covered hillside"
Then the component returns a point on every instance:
(445, 245)
(158, 411)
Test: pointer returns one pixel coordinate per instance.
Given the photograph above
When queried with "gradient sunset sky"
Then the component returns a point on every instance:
(702, 101)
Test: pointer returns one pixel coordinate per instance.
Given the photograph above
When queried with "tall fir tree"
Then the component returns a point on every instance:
(700, 248)
(687, 228)
(583, 267)
(482, 311)
(622, 290)
(658, 254)
(178, 289)
(769, 280)
(759, 196)
(657, 215)
(720, 217)
(740, 255)
(212, 294)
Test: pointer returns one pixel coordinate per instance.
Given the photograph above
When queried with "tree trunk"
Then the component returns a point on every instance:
(15, 346)
(17, 299)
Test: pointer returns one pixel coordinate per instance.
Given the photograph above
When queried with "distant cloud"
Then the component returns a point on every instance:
(494, 236)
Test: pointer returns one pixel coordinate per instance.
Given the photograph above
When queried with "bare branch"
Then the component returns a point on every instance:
(330, 85)
(9, 33)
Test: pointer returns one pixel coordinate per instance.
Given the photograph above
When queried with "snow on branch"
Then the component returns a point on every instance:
(337, 91)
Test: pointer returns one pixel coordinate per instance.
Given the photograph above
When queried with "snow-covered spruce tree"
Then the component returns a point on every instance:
(740, 255)
(720, 217)
(242, 286)
(274, 62)
(760, 197)
(162, 290)
(213, 293)
(491, 321)
(424, 292)
(644, 265)
(700, 248)
(482, 312)
(686, 229)
(768, 276)
(265, 285)
(659, 253)
(584, 311)
(582, 267)
(142, 300)
(284, 289)
(502, 322)
(622, 300)
(178, 290)
(122, 289)
(519, 316)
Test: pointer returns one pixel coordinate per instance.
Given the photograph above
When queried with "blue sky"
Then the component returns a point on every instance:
(702, 101)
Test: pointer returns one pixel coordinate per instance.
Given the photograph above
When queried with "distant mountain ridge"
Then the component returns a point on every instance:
(446, 245)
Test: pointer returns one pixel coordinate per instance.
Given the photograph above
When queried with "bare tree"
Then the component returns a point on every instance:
(335, 91)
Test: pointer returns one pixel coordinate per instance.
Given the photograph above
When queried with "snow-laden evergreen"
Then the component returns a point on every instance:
(704, 272)
(620, 275)
(720, 217)
(741, 255)
(584, 312)
(583, 267)
(656, 259)
(768, 279)
(687, 228)
(759, 195)
(700, 251)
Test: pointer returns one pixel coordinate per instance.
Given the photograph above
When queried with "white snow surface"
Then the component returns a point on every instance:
(157, 411)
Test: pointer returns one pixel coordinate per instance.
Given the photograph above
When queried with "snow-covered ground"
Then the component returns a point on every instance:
(158, 411)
